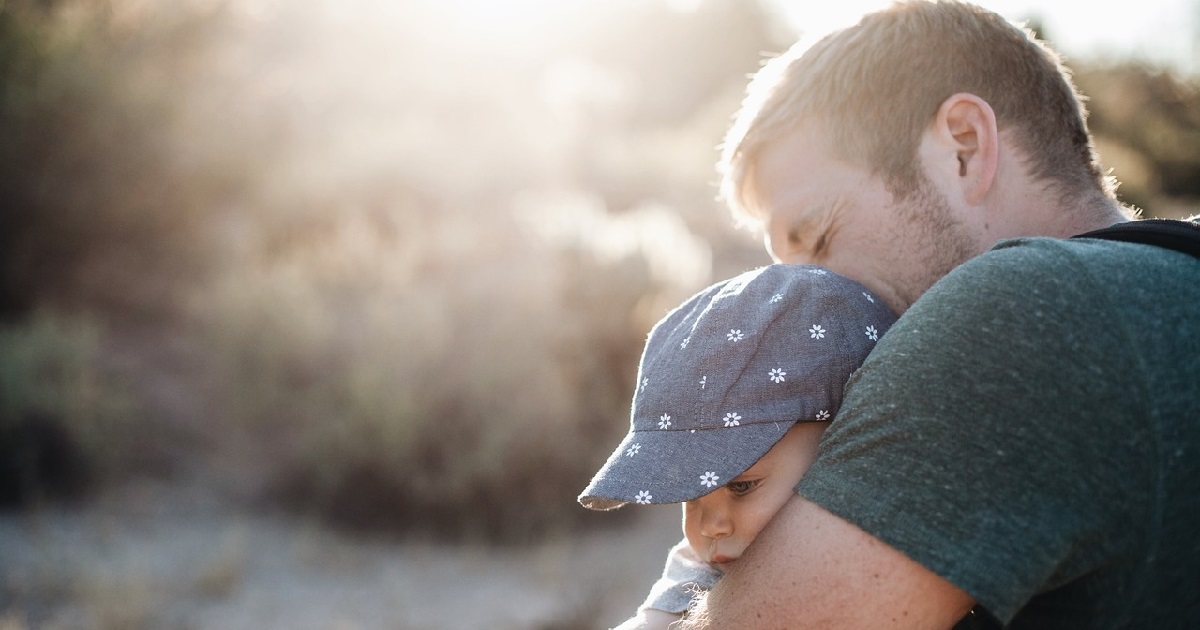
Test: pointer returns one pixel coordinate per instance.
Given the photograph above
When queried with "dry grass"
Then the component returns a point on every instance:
(174, 568)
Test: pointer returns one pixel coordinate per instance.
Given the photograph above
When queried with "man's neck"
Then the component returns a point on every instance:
(1100, 211)
(1063, 218)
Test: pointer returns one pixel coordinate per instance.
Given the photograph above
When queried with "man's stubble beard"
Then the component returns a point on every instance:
(933, 229)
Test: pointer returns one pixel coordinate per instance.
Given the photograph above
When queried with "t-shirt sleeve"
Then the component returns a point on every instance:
(961, 440)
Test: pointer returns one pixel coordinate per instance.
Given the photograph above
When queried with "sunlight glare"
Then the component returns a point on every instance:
(512, 13)
(1160, 30)
(813, 20)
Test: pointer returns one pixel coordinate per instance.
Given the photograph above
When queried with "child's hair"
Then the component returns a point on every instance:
(877, 85)
(726, 374)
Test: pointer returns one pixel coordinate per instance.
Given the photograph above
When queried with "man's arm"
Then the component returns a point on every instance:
(810, 569)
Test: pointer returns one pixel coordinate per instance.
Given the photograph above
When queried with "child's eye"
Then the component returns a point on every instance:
(742, 488)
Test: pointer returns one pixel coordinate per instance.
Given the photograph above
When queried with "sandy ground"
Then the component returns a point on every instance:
(157, 556)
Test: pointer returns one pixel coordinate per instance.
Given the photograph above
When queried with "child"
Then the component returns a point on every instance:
(734, 389)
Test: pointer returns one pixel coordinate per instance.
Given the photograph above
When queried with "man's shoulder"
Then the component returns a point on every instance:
(1034, 251)
(1050, 290)
(1014, 271)
(1032, 254)
(1032, 266)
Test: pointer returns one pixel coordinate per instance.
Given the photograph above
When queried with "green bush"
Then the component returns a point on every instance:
(65, 424)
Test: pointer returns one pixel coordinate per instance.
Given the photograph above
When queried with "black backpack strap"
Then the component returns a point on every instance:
(1183, 236)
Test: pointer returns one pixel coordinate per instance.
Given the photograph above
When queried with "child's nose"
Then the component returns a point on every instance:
(715, 521)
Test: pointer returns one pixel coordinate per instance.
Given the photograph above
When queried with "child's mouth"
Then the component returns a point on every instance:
(722, 562)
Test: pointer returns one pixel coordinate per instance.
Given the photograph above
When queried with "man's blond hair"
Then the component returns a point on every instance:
(876, 86)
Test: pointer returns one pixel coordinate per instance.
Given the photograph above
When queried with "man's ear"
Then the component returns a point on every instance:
(965, 126)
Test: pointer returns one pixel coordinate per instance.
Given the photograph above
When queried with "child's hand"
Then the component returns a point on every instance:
(649, 619)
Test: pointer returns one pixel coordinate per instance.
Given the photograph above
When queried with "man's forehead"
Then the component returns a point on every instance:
(788, 174)
(749, 202)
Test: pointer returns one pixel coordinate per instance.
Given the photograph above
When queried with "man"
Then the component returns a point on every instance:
(1027, 437)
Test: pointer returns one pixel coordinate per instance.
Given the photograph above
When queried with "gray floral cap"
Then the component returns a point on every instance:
(727, 373)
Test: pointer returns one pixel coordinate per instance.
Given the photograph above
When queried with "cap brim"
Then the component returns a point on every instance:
(675, 466)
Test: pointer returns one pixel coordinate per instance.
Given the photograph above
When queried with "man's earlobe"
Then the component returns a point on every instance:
(968, 126)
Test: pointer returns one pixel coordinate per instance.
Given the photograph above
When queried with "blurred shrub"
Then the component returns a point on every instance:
(330, 189)
(106, 189)
(1147, 123)
(394, 385)
(65, 423)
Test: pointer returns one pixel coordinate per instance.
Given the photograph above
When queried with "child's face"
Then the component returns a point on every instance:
(721, 524)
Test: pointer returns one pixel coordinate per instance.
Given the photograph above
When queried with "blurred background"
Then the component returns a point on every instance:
(319, 313)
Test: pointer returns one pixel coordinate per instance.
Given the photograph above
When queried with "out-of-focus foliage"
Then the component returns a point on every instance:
(395, 385)
(414, 255)
(64, 422)
(105, 197)
(1147, 123)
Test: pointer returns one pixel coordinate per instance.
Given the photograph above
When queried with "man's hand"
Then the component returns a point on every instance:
(810, 569)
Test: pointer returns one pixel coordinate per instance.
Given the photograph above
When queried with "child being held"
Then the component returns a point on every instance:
(734, 389)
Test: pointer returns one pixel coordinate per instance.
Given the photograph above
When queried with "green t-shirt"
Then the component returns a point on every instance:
(1030, 431)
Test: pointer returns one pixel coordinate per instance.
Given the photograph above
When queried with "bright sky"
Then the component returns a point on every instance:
(1157, 30)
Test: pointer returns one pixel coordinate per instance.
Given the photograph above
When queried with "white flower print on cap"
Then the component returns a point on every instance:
(725, 374)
